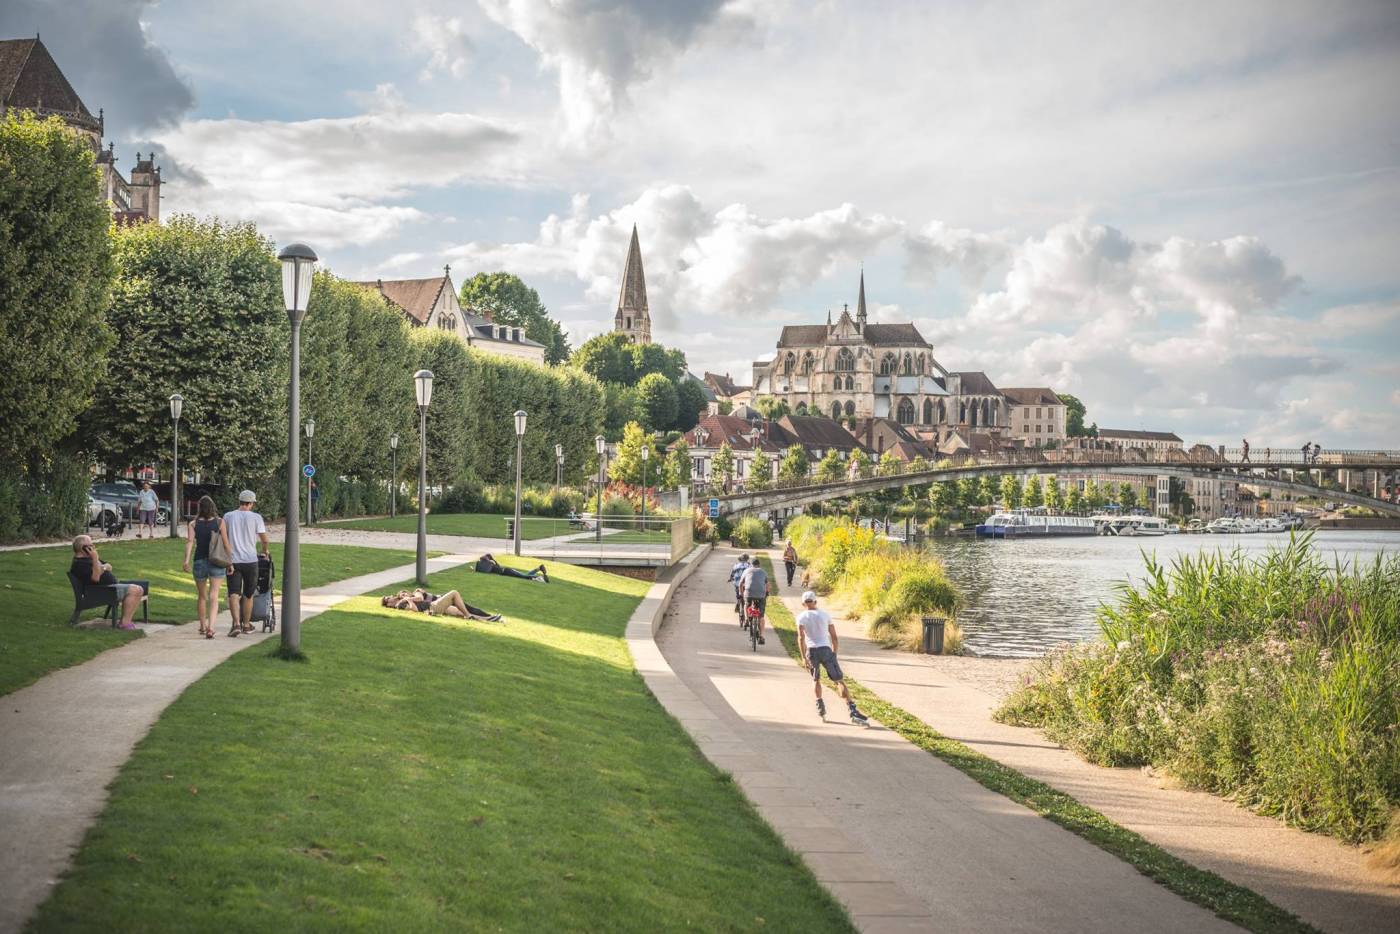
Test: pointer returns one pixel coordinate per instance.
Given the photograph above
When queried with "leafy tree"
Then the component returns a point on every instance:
(510, 301)
(1074, 500)
(1074, 415)
(1093, 496)
(1032, 494)
(452, 421)
(918, 465)
(1127, 496)
(621, 404)
(657, 395)
(943, 497)
(725, 406)
(795, 465)
(1010, 492)
(653, 358)
(607, 358)
(864, 468)
(690, 402)
(1093, 431)
(986, 490)
(675, 473)
(1052, 493)
(1182, 503)
(830, 469)
(722, 469)
(761, 471)
(626, 465)
(771, 407)
(889, 465)
(967, 491)
(55, 274)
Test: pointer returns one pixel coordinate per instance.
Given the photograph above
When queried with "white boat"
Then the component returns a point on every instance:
(1021, 523)
(1225, 526)
(1107, 524)
(1271, 524)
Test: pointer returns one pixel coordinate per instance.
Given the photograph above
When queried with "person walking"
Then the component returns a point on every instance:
(816, 643)
(315, 507)
(246, 534)
(199, 535)
(88, 568)
(755, 587)
(148, 505)
(790, 561)
(1244, 459)
(1306, 448)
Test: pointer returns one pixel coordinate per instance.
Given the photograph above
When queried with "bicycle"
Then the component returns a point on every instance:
(752, 620)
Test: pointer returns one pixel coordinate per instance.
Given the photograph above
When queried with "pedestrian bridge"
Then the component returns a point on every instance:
(1359, 476)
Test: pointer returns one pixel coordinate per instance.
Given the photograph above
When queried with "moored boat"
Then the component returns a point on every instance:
(1022, 523)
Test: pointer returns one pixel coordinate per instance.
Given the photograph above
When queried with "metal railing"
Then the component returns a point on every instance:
(656, 541)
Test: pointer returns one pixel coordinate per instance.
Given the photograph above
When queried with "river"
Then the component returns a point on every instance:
(1023, 597)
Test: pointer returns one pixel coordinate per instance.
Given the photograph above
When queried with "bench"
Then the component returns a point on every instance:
(578, 522)
(90, 596)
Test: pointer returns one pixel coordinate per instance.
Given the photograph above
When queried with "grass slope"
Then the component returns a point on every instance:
(422, 775)
(35, 637)
(476, 525)
(1234, 903)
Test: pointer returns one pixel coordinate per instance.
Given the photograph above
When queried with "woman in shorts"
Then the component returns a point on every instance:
(448, 604)
(199, 535)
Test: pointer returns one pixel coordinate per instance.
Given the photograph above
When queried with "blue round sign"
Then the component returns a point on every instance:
(308, 471)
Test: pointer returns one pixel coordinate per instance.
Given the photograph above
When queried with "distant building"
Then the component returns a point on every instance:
(1035, 415)
(1153, 442)
(881, 435)
(745, 440)
(31, 80)
(633, 317)
(817, 436)
(433, 303)
(725, 389)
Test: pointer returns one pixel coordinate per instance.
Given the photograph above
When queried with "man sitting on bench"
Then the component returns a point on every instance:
(88, 567)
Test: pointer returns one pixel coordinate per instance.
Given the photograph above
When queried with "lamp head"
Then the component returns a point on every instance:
(519, 423)
(298, 263)
(646, 453)
(177, 406)
(310, 427)
(559, 451)
(394, 442)
(423, 387)
(601, 444)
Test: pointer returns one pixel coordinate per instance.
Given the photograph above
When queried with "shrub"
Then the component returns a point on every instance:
(752, 532)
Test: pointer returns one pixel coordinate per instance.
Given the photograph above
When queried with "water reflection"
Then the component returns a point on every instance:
(1025, 596)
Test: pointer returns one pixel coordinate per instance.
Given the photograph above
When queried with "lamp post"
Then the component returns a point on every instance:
(519, 445)
(646, 456)
(177, 405)
(558, 467)
(310, 431)
(393, 475)
(298, 263)
(423, 391)
(601, 444)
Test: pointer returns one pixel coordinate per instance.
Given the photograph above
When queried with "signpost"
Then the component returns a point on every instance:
(308, 471)
(714, 509)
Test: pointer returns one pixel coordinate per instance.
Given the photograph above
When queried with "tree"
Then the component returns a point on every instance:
(55, 275)
(507, 300)
(761, 471)
(1074, 500)
(1031, 493)
(675, 473)
(770, 407)
(690, 402)
(621, 404)
(1074, 415)
(626, 466)
(452, 418)
(889, 465)
(657, 396)
(722, 469)
(829, 468)
(967, 491)
(917, 465)
(1127, 496)
(795, 465)
(607, 358)
(1093, 497)
(1010, 492)
(986, 491)
(1052, 493)
(943, 498)
(863, 467)
(653, 358)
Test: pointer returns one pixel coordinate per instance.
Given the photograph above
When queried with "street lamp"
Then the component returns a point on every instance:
(519, 444)
(601, 444)
(177, 406)
(558, 467)
(310, 432)
(646, 456)
(423, 390)
(298, 263)
(393, 475)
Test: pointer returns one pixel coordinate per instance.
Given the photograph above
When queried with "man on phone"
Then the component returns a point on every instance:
(87, 567)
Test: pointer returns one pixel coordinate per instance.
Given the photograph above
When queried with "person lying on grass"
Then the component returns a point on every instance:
(89, 568)
(489, 565)
(448, 604)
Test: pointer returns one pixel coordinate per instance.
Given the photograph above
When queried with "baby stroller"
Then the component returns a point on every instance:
(264, 608)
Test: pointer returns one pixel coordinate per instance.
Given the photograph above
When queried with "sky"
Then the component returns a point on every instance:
(1185, 214)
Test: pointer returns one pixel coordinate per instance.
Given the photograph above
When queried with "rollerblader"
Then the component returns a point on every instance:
(816, 643)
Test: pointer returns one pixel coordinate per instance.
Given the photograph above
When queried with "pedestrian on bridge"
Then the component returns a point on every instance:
(1244, 459)
(1306, 448)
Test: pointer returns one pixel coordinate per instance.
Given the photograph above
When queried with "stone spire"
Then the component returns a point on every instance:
(633, 314)
(860, 304)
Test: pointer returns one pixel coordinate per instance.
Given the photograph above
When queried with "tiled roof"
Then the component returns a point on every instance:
(736, 432)
(897, 438)
(816, 432)
(1035, 395)
(30, 79)
(1129, 434)
(802, 335)
(415, 297)
(976, 383)
(723, 385)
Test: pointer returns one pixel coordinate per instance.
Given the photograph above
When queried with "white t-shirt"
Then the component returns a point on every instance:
(148, 500)
(244, 527)
(817, 626)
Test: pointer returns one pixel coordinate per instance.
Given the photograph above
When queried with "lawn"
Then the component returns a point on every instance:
(35, 637)
(474, 524)
(422, 775)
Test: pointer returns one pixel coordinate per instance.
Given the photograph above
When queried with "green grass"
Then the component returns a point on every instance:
(474, 524)
(35, 637)
(426, 775)
(1234, 903)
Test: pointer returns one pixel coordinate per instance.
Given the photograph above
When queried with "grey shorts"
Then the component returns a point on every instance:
(148, 517)
(822, 656)
(122, 590)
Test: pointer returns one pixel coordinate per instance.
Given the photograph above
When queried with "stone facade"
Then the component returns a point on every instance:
(1152, 442)
(1035, 415)
(633, 317)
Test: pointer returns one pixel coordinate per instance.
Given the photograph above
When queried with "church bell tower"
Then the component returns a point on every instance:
(633, 316)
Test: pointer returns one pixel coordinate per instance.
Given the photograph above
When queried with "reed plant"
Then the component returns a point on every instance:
(1272, 679)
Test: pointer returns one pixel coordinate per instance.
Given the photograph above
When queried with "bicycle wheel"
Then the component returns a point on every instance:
(753, 635)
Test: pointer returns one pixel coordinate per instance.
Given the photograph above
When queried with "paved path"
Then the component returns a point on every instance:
(64, 738)
(903, 840)
(1321, 880)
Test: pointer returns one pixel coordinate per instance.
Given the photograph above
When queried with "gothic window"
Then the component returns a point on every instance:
(845, 360)
(906, 412)
(850, 406)
(808, 362)
(921, 363)
(801, 408)
(973, 414)
(962, 413)
(986, 411)
(887, 364)
(628, 324)
(942, 412)
(908, 365)
(788, 363)
(928, 411)
(850, 384)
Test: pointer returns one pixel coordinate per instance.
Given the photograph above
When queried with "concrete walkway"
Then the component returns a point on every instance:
(64, 738)
(903, 840)
(1323, 881)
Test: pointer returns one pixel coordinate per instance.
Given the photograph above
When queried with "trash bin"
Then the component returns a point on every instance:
(933, 635)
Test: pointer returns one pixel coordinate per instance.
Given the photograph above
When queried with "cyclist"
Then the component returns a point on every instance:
(755, 587)
(816, 643)
(735, 574)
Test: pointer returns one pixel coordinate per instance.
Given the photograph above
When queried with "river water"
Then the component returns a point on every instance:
(1023, 597)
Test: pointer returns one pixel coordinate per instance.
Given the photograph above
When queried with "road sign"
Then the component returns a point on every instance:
(714, 509)
(308, 471)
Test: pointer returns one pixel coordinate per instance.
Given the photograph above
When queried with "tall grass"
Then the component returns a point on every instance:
(886, 586)
(1272, 679)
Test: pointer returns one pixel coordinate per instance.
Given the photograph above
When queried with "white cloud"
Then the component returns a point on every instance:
(1362, 318)
(445, 41)
(937, 247)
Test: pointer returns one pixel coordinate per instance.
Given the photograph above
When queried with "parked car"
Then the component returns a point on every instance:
(126, 495)
(101, 513)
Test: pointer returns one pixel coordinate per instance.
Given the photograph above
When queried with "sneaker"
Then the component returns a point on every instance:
(821, 708)
(494, 619)
(760, 641)
(539, 580)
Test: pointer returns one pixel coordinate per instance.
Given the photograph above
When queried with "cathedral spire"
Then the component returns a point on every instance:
(860, 303)
(633, 314)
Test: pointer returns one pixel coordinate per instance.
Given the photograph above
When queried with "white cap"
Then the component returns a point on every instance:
(247, 496)
(809, 597)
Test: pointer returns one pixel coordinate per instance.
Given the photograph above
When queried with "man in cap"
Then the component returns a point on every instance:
(247, 535)
(816, 643)
(754, 586)
(736, 574)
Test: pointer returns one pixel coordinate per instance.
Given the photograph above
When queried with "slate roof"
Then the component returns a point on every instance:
(813, 431)
(31, 80)
(633, 294)
(415, 297)
(977, 383)
(808, 335)
(1035, 395)
(723, 385)
(1130, 434)
(483, 328)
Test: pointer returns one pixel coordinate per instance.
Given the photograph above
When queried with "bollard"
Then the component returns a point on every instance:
(933, 635)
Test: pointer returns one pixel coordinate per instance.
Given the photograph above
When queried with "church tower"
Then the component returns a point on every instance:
(633, 316)
(860, 306)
